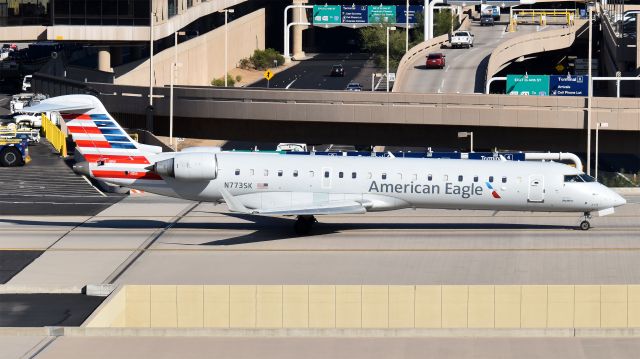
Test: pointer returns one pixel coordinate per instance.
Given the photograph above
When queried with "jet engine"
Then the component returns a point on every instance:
(189, 167)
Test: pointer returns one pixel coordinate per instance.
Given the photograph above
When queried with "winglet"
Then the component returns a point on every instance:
(233, 203)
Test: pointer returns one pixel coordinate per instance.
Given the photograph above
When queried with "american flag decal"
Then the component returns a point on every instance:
(263, 185)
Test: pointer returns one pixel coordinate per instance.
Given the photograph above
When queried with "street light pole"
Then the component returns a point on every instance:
(151, 18)
(598, 126)
(389, 28)
(467, 134)
(406, 29)
(590, 94)
(226, 43)
(174, 67)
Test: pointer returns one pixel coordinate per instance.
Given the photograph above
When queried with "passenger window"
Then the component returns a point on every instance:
(460, 178)
(475, 178)
(490, 179)
(353, 175)
(279, 173)
(252, 172)
(266, 172)
(430, 177)
(384, 176)
(414, 177)
(237, 172)
(295, 173)
(326, 174)
(340, 174)
(504, 179)
(311, 174)
(399, 176)
(445, 178)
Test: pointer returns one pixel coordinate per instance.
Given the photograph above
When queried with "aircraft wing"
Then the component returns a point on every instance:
(328, 207)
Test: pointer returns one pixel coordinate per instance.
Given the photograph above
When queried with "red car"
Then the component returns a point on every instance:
(435, 61)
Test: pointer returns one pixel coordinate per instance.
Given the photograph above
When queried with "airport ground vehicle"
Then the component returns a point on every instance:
(435, 61)
(337, 70)
(462, 39)
(26, 83)
(292, 147)
(487, 20)
(14, 152)
(307, 184)
(353, 86)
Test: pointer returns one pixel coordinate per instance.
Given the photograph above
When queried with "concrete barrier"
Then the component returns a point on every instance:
(344, 307)
(532, 43)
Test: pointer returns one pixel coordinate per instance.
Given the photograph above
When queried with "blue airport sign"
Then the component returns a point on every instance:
(561, 85)
(355, 14)
(414, 10)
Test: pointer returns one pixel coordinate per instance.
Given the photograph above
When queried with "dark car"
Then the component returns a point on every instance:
(435, 61)
(486, 20)
(337, 70)
(353, 86)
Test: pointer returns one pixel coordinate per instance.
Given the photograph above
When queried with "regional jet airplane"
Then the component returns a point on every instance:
(309, 185)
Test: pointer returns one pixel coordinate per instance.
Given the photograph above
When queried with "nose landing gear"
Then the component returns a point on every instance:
(585, 224)
(304, 224)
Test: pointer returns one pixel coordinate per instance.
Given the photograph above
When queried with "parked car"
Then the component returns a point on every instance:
(487, 20)
(436, 61)
(462, 39)
(337, 70)
(353, 86)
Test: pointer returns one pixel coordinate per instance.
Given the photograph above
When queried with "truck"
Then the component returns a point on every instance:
(462, 39)
(14, 152)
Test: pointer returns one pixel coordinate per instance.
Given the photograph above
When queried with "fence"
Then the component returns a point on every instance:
(56, 137)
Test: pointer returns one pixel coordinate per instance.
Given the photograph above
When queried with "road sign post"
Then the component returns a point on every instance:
(268, 75)
(528, 85)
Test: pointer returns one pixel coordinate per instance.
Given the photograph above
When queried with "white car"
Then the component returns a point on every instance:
(26, 83)
(30, 120)
(462, 39)
(292, 147)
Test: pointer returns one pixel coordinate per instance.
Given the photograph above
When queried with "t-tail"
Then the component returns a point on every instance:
(110, 154)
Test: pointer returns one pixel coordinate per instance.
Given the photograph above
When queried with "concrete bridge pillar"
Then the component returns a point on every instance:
(104, 60)
(299, 15)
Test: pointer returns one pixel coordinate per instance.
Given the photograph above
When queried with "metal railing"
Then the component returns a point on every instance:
(56, 137)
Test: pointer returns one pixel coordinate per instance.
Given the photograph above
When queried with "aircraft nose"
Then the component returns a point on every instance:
(618, 200)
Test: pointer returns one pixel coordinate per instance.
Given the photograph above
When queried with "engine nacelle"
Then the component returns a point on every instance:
(189, 167)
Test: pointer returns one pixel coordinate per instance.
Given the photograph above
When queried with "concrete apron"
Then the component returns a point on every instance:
(323, 333)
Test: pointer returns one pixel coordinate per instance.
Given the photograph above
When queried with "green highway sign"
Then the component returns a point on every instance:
(528, 85)
(382, 14)
(327, 14)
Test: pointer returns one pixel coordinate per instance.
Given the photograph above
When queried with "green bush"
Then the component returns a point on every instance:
(220, 82)
(444, 22)
(374, 41)
(264, 59)
(245, 64)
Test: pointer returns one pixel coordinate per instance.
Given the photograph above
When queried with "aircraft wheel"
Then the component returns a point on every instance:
(585, 225)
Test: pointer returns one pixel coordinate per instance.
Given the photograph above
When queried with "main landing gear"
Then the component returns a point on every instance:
(585, 224)
(304, 224)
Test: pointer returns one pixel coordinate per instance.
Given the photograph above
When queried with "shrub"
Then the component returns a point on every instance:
(220, 82)
(264, 59)
(245, 64)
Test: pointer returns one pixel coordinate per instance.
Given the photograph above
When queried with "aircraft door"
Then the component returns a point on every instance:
(536, 188)
(326, 177)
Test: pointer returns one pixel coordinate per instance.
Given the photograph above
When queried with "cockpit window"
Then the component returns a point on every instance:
(587, 178)
(572, 178)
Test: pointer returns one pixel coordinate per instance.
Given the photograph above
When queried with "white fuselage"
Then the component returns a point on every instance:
(263, 180)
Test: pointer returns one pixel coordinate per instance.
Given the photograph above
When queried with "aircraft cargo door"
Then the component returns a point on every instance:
(536, 188)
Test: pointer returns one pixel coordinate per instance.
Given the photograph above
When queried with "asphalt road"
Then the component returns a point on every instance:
(39, 310)
(314, 73)
(465, 68)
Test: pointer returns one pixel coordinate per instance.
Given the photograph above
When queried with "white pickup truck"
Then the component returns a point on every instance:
(461, 39)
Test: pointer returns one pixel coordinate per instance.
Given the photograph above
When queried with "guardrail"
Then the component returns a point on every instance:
(421, 49)
(54, 135)
(531, 44)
